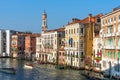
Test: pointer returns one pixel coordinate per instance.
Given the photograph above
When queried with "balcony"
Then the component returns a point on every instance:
(70, 48)
(117, 47)
(114, 33)
(108, 35)
(109, 47)
(118, 33)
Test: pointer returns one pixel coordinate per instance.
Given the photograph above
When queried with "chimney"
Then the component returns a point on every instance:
(75, 20)
(90, 16)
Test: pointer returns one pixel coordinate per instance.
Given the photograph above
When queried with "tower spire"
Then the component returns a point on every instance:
(44, 21)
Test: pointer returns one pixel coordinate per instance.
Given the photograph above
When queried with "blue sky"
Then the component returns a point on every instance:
(25, 15)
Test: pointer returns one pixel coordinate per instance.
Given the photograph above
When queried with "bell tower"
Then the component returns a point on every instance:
(44, 21)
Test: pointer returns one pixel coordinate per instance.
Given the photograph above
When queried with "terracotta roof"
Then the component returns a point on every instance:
(85, 20)
(88, 19)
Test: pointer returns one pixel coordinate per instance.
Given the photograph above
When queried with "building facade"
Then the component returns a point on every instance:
(38, 47)
(97, 53)
(110, 24)
(74, 44)
(61, 53)
(18, 46)
(92, 28)
(30, 46)
(9, 34)
(2, 42)
(51, 41)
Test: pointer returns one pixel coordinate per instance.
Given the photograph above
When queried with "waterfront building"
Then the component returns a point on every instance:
(110, 32)
(97, 53)
(18, 45)
(38, 47)
(79, 35)
(2, 42)
(61, 52)
(92, 28)
(74, 44)
(30, 46)
(51, 42)
(9, 34)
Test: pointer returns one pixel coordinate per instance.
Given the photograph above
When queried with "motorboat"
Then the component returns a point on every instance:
(28, 66)
(8, 70)
(116, 75)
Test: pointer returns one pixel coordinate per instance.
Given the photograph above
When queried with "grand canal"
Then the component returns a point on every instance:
(41, 72)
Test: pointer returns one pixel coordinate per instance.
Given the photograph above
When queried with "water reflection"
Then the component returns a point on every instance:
(41, 72)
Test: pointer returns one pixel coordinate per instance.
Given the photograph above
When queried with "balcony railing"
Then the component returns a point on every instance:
(109, 47)
(71, 48)
(117, 47)
(108, 35)
(118, 33)
(114, 33)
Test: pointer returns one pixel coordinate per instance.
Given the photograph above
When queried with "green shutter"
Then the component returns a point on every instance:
(119, 55)
(108, 54)
(114, 55)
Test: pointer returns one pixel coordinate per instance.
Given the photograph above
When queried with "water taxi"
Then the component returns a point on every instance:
(28, 66)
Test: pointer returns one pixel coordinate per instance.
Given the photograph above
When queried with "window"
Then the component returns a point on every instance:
(81, 60)
(55, 35)
(74, 44)
(81, 30)
(106, 21)
(119, 27)
(104, 64)
(81, 53)
(114, 18)
(81, 45)
(77, 30)
(114, 55)
(109, 29)
(119, 41)
(59, 35)
(66, 31)
(98, 20)
(71, 31)
(55, 41)
(109, 54)
(44, 23)
(119, 17)
(111, 19)
(103, 22)
(114, 27)
(118, 55)
(74, 30)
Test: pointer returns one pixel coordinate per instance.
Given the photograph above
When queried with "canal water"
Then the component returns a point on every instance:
(40, 72)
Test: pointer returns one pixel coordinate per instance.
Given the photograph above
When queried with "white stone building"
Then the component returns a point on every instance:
(2, 42)
(74, 44)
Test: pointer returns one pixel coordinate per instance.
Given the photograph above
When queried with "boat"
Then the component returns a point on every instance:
(28, 66)
(8, 70)
(59, 67)
(116, 75)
